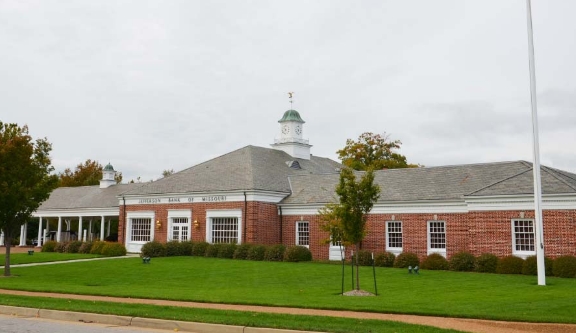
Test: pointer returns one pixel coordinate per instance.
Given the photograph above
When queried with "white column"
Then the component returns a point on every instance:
(90, 230)
(80, 228)
(59, 229)
(22, 235)
(84, 235)
(108, 232)
(39, 233)
(2, 238)
(45, 235)
(102, 228)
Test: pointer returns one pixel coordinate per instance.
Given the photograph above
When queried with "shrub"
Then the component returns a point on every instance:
(256, 252)
(510, 265)
(213, 249)
(241, 251)
(85, 247)
(186, 248)
(275, 253)
(49, 246)
(565, 266)
(486, 263)
(73, 247)
(405, 259)
(297, 254)
(61, 247)
(435, 261)
(153, 249)
(227, 251)
(364, 257)
(97, 247)
(173, 248)
(530, 266)
(463, 262)
(199, 249)
(113, 250)
(385, 259)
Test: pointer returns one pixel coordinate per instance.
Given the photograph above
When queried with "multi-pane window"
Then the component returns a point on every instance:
(436, 236)
(180, 229)
(394, 234)
(523, 235)
(225, 230)
(141, 230)
(303, 233)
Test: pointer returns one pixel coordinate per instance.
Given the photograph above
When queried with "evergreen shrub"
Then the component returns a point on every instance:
(151, 249)
(85, 248)
(97, 247)
(73, 247)
(405, 259)
(212, 250)
(173, 248)
(364, 258)
(510, 265)
(463, 262)
(275, 252)
(49, 246)
(113, 250)
(227, 251)
(530, 266)
(385, 259)
(186, 248)
(297, 254)
(435, 262)
(199, 249)
(565, 267)
(256, 252)
(61, 247)
(241, 251)
(486, 263)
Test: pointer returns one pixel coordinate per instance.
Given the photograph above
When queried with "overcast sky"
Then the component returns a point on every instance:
(156, 85)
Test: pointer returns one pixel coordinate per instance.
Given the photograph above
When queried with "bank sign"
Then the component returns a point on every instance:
(183, 199)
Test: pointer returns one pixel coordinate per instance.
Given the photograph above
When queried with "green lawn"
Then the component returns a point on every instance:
(313, 285)
(25, 258)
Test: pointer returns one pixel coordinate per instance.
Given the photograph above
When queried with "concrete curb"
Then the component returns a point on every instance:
(173, 325)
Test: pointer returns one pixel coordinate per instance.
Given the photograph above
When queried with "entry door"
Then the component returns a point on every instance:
(336, 251)
(180, 229)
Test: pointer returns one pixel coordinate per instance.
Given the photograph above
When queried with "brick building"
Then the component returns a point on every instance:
(272, 195)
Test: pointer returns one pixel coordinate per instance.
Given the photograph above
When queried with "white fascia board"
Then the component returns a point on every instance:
(520, 202)
(409, 207)
(76, 212)
(195, 197)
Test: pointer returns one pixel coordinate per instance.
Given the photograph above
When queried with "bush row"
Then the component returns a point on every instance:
(108, 249)
(228, 251)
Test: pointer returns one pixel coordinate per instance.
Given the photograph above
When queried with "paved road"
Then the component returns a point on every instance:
(12, 324)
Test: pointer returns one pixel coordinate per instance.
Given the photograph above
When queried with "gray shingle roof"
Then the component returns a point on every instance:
(248, 168)
(85, 197)
(440, 183)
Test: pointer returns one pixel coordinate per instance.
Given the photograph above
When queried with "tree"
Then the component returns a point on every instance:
(25, 180)
(346, 220)
(167, 173)
(87, 174)
(373, 151)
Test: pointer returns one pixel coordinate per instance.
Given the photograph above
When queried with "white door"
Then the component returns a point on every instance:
(336, 251)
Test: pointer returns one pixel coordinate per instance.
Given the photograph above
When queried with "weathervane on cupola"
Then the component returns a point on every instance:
(291, 129)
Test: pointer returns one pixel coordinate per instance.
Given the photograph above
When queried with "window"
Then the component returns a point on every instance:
(303, 233)
(141, 230)
(394, 236)
(224, 226)
(179, 227)
(437, 237)
(523, 237)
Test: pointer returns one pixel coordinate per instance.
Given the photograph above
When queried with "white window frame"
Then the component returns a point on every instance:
(396, 250)
(441, 251)
(523, 253)
(139, 215)
(179, 213)
(223, 213)
(298, 223)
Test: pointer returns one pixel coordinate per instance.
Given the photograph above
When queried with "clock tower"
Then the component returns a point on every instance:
(291, 141)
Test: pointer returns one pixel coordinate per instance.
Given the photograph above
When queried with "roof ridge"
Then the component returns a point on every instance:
(498, 182)
(553, 173)
(457, 165)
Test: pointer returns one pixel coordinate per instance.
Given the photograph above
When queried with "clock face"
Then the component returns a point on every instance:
(298, 130)
(285, 129)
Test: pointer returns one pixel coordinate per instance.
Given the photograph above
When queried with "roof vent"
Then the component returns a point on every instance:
(293, 165)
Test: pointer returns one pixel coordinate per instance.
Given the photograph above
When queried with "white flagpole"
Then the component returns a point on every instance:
(539, 228)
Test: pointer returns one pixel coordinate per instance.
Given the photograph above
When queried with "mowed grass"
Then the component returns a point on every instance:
(38, 257)
(309, 285)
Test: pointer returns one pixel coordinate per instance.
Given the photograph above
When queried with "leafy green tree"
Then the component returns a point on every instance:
(86, 174)
(373, 151)
(167, 173)
(346, 220)
(25, 180)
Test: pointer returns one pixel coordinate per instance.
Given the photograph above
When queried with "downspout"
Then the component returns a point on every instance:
(245, 218)
(281, 223)
(125, 222)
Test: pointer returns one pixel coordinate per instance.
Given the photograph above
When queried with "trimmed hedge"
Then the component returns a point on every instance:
(275, 253)
(113, 250)
(405, 259)
(486, 263)
(212, 250)
(510, 265)
(73, 247)
(173, 249)
(241, 251)
(61, 247)
(227, 251)
(364, 258)
(49, 246)
(151, 249)
(256, 252)
(297, 254)
(463, 262)
(436, 262)
(530, 266)
(565, 267)
(85, 248)
(199, 249)
(385, 259)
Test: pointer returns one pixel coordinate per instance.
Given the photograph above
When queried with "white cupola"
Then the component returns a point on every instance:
(291, 141)
(108, 174)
